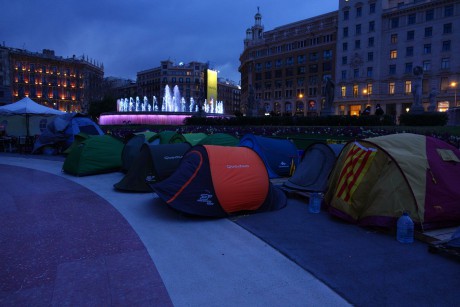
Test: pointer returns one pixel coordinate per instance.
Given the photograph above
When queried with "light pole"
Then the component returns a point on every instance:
(368, 93)
(454, 86)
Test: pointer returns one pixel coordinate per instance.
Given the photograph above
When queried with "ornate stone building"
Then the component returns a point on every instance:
(285, 70)
(67, 84)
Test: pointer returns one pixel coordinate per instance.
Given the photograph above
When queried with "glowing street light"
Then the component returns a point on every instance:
(454, 86)
(368, 93)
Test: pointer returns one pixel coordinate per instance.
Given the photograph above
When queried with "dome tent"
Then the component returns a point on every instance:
(376, 179)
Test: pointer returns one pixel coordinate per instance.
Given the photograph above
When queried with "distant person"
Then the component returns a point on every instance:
(378, 110)
(367, 111)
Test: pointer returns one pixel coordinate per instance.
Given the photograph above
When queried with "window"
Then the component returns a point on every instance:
(356, 73)
(268, 65)
(408, 68)
(429, 14)
(301, 70)
(370, 56)
(394, 22)
(268, 75)
(407, 87)
(343, 90)
(394, 38)
(358, 29)
(370, 42)
(279, 63)
(344, 46)
(258, 66)
(445, 84)
(446, 45)
(371, 26)
(357, 44)
(346, 15)
(344, 74)
(345, 32)
(410, 35)
(445, 63)
(327, 54)
(392, 69)
(359, 11)
(313, 56)
(372, 8)
(278, 73)
(427, 48)
(426, 65)
(301, 59)
(447, 28)
(369, 72)
(391, 88)
(449, 10)
(410, 51)
(344, 60)
(355, 90)
(393, 54)
(411, 19)
(428, 31)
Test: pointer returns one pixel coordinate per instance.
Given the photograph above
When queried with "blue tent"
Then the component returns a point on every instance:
(62, 130)
(279, 155)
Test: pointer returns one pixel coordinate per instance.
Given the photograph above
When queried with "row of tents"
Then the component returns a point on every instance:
(368, 182)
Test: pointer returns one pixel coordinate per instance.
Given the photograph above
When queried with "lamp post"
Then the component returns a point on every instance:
(454, 86)
(368, 93)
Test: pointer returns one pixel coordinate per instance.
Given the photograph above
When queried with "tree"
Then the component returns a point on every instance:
(106, 105)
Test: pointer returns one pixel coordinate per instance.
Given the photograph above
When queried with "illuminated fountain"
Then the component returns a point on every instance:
(172, 110)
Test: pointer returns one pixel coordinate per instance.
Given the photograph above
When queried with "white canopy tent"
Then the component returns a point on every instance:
(23, 117)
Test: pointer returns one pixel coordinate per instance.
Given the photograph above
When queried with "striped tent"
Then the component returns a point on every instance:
(375, 180)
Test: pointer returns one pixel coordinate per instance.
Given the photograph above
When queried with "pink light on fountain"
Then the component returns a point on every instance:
(142, 119)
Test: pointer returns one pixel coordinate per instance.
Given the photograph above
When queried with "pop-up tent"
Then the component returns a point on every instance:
(63, 129)
(312, 173)
(279, 155)
(152, 164)
(220, 139)
(217, 181)
(194, 138)
(376, 179)
(24, 116)
(94, 155)
(166, 137)
(135, 142)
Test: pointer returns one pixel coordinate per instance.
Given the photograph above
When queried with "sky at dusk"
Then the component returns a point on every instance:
(135, 35)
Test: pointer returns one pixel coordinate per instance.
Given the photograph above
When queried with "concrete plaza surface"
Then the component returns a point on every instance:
(195, 261)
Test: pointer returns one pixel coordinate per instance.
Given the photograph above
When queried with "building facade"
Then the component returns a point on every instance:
(66, 84)
(230, 94)
(284, 70)
(190, 80)
(381, 42)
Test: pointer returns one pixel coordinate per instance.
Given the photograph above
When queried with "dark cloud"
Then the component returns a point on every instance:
(130, 36)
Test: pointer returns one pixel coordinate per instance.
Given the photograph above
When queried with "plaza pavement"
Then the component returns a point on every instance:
(189, 262)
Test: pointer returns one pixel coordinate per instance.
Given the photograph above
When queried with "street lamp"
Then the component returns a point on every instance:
(368, 93)
(454, 86)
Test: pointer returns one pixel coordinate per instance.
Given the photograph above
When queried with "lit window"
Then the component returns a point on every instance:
(391, 88)
(407, 87)
(393, 54)
(343, 90)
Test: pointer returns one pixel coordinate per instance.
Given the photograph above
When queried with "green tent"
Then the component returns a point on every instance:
(194, 138)
(222, 139)
(95, 155)
(167, 137)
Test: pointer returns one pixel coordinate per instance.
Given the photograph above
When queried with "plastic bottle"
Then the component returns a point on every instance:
(405, 229)
(314, 205)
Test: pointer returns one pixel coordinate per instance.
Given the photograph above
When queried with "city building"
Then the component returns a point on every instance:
(284, 70)
(230, 94)
(66, 84)
(190, 79)
(381, 42)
